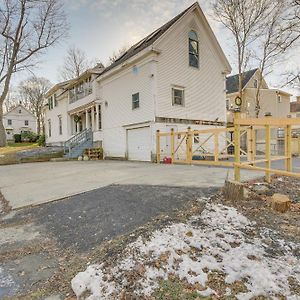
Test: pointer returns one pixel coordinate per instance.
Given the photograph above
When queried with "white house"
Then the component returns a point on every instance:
(173, 78)
(19, 120)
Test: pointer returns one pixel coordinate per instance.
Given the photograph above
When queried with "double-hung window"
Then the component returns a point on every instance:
(177, 96)
(135, 100)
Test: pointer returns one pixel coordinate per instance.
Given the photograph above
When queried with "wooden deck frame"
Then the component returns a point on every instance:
(221, 157)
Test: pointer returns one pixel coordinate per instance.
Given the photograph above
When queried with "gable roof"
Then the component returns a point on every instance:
(232, 82)
(145, 42)
(19, 105)
(57, 87)
(149, 40)
(155, 35)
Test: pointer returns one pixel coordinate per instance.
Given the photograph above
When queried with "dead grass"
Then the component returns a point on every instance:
(15, 147)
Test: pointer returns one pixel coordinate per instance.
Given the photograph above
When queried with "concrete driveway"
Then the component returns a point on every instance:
(36, 183)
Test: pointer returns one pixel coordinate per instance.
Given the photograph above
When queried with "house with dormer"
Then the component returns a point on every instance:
(173, 78)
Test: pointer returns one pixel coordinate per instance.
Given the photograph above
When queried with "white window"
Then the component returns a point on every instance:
(177, 96)
(135, 100)
(60, 125)
(100, 120)
(193, 49)
(227, 103)
(255, 83)
(20, 111)
(26, 122)
(279, 98)
(9, 122)
(49, 128)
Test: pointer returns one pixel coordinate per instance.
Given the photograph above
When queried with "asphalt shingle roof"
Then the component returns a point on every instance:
(232, 82)
(145, 42)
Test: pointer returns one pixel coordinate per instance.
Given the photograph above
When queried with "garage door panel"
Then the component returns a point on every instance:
(139, 144)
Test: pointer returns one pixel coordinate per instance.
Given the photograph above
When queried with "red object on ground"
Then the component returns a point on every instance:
(167, 160)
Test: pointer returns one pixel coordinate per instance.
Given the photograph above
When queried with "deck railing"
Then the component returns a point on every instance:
(78, 139)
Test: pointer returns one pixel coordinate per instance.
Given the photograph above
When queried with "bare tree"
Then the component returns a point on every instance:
(27, 29)
(11, 100)
(243, 18)
(280, 32)
(117, 54)
(75, 63)
(33, 92)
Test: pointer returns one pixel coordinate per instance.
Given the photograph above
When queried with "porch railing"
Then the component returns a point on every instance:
(78, 139)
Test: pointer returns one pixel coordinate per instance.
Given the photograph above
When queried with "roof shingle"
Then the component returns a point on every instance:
(232, 82)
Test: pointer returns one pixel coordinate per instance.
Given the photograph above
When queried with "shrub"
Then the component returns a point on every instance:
(42, 140)
(17, 138)
(29, 137)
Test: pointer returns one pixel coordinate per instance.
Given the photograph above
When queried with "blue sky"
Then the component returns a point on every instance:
(100, 27)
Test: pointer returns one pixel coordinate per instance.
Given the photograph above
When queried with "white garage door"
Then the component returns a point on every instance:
(139, 144)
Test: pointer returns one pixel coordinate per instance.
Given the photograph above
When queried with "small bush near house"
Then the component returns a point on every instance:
(29, 137)
(17, 138)
(42, 140)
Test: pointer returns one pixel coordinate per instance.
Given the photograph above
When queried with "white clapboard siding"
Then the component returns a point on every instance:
(204, 87)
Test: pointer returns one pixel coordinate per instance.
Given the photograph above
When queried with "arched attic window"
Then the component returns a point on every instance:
(193, 49)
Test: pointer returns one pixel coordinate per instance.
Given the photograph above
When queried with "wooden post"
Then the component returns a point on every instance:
(249, 149)
(157, 147)
(216, 149)
(172, 145)
(268, 152)
(189, 146)
(253, 143)
(289, 148)
(237, 147)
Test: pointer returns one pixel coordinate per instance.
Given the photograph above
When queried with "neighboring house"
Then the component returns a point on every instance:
(274, 101)
(295, 113)
(173, 78)
(19, 120)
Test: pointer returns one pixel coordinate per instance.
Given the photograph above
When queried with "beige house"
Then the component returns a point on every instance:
(274, 101)
(295, 113)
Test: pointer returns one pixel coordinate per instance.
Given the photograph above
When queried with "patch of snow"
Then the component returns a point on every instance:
(214, 241)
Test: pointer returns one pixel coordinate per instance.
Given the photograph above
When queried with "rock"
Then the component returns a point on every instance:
(79, 157)
(280, 203)
(260, 189)
(85, 158)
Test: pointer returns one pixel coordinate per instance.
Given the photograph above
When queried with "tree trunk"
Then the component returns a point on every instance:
(2, 129)
(38, 125)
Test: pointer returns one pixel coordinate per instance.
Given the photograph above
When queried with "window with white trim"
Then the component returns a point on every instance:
(135, 100)
(193, 49)
(255, 83)
(60, 125)
(279, 99)
(26, 122)
(49, 128)
(177, 96)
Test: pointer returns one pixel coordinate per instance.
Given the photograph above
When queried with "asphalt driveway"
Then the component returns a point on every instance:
(36, 183)
(38, 242)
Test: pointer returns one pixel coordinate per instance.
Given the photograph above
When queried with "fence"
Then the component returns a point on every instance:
(233, 147)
